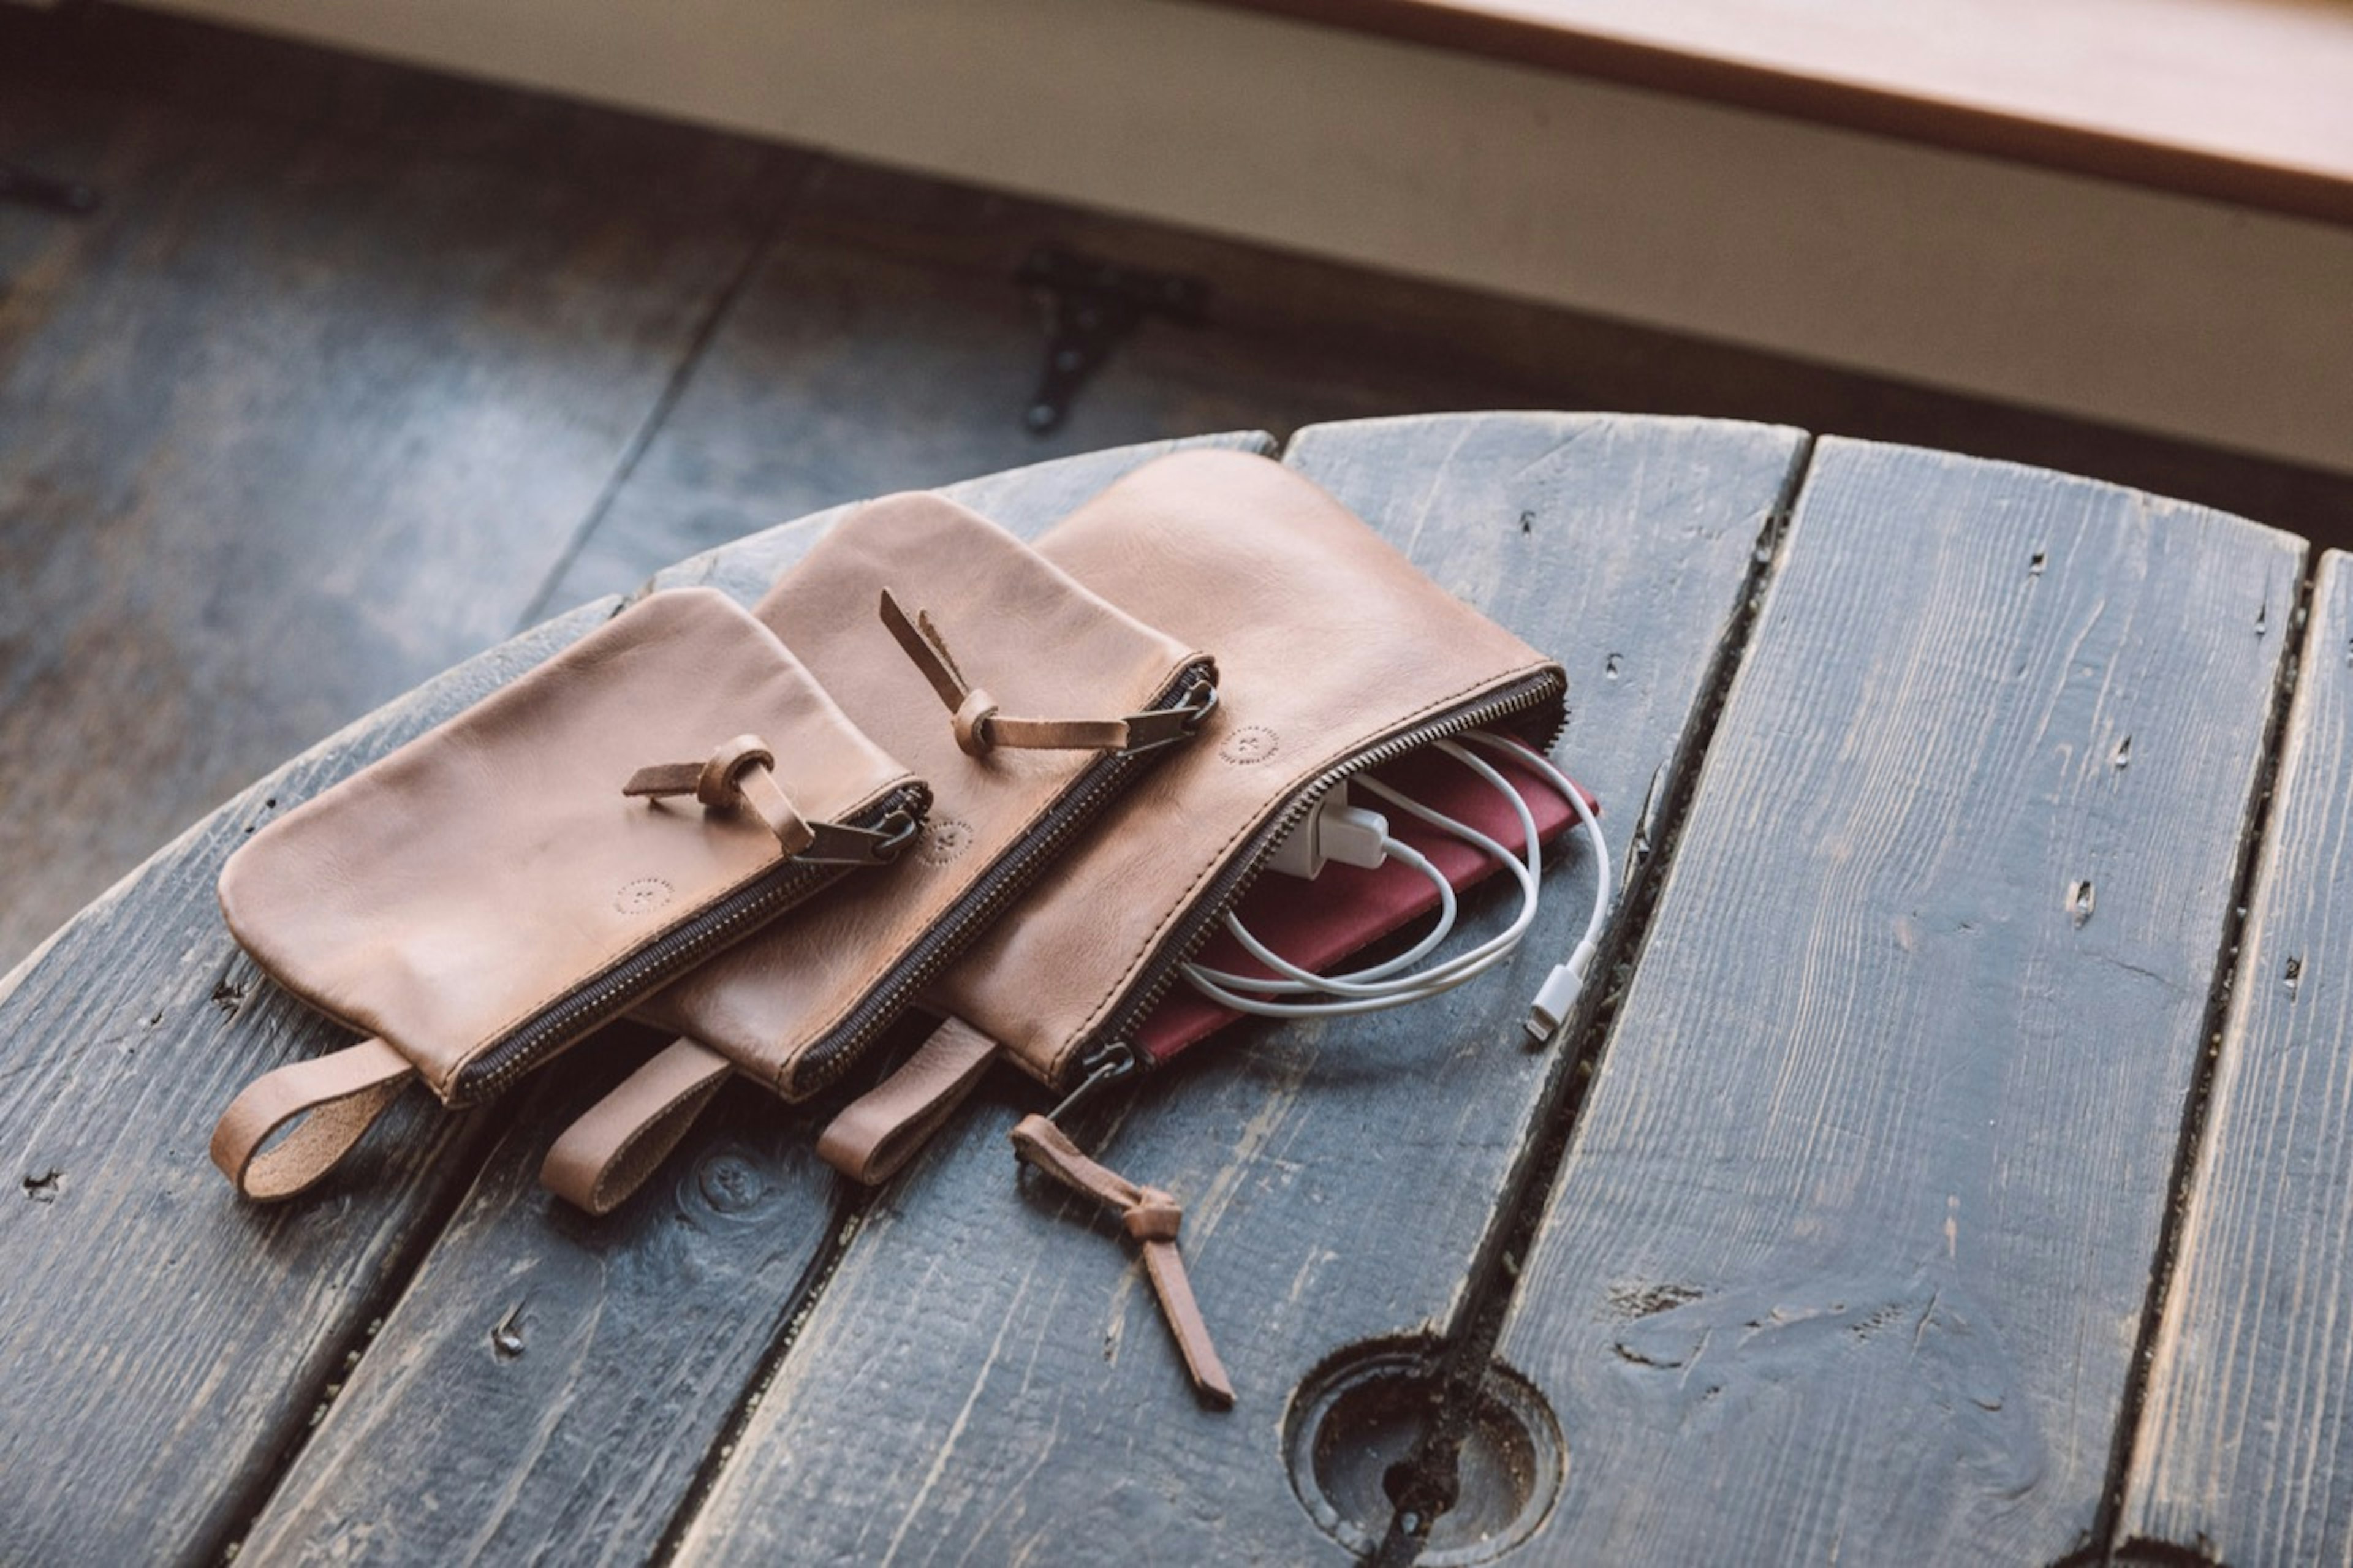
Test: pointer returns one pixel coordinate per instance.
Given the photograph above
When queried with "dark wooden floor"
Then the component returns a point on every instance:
(358, 370)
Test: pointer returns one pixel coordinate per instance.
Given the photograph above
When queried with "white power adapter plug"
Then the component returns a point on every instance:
(1334, 830)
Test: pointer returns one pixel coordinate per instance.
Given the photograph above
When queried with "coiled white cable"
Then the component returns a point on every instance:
(1380, 986)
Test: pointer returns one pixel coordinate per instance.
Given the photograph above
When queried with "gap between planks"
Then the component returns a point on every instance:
(2254, 836)
(706, 332)
(1463, 1358)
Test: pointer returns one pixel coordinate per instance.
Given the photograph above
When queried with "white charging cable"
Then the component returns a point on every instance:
(1338, 830)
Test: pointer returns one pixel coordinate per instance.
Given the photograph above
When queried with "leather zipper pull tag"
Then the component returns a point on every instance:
(736, 774)
(329, 1102)
(876, 1134)
(979, 727)
(1152, 1217)
(620, 1140)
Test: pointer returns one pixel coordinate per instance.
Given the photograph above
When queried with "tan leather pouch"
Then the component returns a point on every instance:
(496, 889)
(1335, 654)
(1027, 702)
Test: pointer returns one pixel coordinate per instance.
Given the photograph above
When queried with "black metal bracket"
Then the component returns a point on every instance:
(25, 188)
(1090, 306)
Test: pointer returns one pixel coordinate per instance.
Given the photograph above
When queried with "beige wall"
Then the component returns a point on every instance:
(2156, 312)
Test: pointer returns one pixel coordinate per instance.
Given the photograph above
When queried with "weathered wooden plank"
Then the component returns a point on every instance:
(161, 1341)
(2245, 1444)
(1851, 1244)
(984, 1377)
(555, 1384)
(292, 423)
(883, 345)
(1025, 500)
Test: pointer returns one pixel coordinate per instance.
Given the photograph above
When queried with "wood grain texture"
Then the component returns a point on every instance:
(2246, 1447)
(1852, 1242)
(291, 424)
(985, 1376)
(883, 345)
(2236, 100)
(1025, 500)
(161, 1341)
(555, 1384)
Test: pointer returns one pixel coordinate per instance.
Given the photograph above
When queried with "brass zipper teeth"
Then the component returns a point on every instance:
(613, 990)
(1110, 1056)
(1093, 788)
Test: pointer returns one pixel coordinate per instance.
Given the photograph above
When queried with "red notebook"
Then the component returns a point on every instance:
(1318, 924)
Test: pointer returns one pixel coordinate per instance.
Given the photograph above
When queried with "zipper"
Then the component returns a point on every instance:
(1096, 786)
(1110, 1056)
(885, 829)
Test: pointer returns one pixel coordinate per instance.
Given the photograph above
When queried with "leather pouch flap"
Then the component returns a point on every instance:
(488, 870)
(1329, 643)
(795, 1006)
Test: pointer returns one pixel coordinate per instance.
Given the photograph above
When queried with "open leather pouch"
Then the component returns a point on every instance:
(1030, 705)
(1337, 656)
(496, 889)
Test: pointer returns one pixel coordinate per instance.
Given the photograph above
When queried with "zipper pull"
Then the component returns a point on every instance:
(1151, 1217)
(1105, 1067)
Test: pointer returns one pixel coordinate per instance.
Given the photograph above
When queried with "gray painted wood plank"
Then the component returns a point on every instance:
(1025, 500)
(1851, 1246)
(883, 344)
(983, 1377)
(294, 422)
(554, 1383)
(2246, 1445)
(161, 1341)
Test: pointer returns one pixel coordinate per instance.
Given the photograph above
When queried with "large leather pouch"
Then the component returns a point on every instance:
(496, 889)
(1335, 654)
(1029, 704)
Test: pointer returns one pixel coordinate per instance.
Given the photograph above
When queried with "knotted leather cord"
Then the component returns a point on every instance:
(980, 728)
(1152, 1217)
(736, 775)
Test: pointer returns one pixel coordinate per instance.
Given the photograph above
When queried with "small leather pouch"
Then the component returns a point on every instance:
(1335, 655)
(1029, 703)
(496, 889)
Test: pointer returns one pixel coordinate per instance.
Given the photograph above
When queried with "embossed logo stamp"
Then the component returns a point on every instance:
(643, 896)
(1250, 744)
(944, 839)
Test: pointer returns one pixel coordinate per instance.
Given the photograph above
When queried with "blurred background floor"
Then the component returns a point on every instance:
(359, 369)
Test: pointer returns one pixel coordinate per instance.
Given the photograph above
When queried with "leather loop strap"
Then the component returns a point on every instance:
(607, 1155)
(716, 785)
(979, 727)
(337, 1097)
(739, 773)
(1152, 1217)
(877, 1133)
(974, 722)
